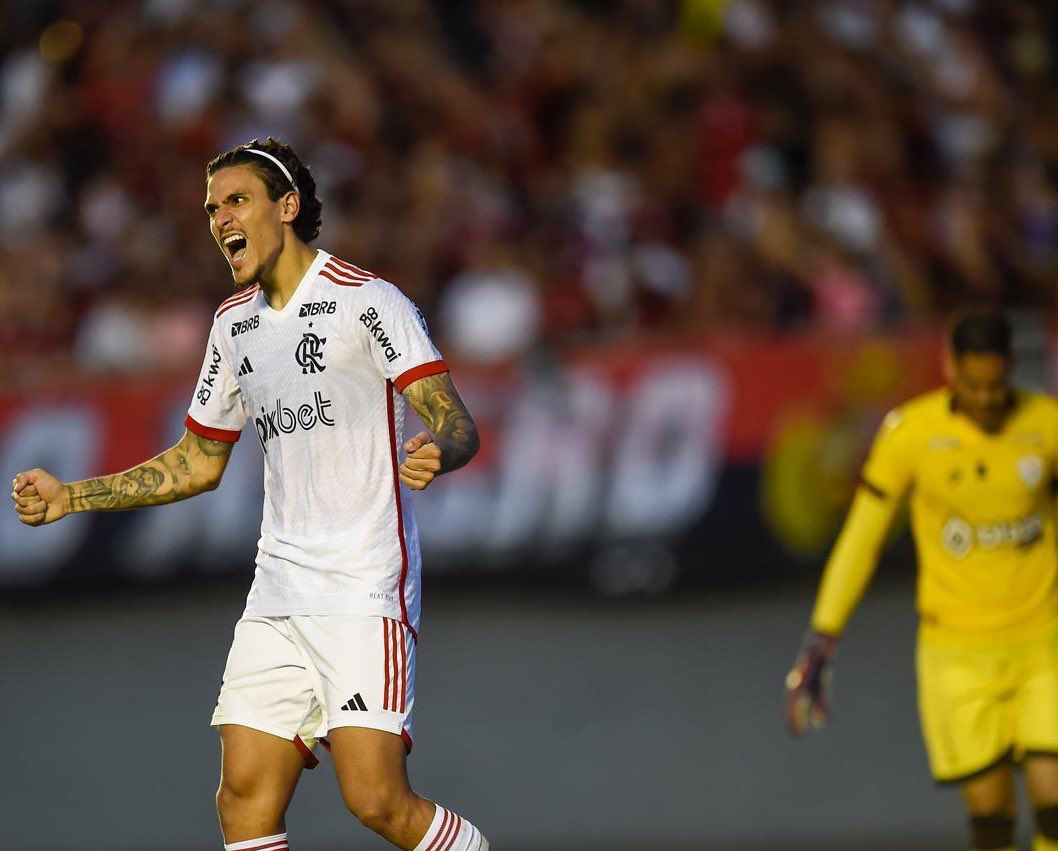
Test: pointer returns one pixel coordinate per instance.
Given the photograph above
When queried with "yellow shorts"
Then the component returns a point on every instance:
(981, 705)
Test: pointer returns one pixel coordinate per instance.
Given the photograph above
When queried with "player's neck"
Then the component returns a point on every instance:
(281, 281)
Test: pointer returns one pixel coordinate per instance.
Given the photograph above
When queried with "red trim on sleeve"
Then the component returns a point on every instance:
(416, 372)
(211, 433)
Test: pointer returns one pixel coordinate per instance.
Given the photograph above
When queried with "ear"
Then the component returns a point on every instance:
(290, 205)
(948, 365)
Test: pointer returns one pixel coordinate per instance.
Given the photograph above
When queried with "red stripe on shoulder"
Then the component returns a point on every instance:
(331, 276)
(209, 432)
(422, 371)
(241, 297)
(349, 267)
(358, 279)
(344, 273)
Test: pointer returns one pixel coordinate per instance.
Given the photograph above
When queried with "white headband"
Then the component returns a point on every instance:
(282, 167)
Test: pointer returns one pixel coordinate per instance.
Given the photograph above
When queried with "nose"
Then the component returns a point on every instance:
(222, 218)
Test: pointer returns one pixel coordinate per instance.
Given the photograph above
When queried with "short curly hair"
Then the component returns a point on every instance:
(307, 224)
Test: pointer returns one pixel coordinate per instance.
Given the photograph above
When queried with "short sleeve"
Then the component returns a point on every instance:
(889, 466)
(218, 411)
(397, 337)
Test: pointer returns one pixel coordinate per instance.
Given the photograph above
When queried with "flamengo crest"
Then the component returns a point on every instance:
(309, 353)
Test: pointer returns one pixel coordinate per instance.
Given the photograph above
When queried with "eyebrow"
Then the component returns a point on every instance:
(211, 207)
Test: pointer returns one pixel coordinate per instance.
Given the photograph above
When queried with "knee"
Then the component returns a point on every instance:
(992, 831)
(382, 811)
(237, 794)
(1047, 822)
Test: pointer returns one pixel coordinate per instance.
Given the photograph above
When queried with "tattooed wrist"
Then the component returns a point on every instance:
(456, 451)
(438, 405)
(143, 485)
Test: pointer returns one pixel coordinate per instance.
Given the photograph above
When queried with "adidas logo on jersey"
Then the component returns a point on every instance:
(245, 369)
(356, 702)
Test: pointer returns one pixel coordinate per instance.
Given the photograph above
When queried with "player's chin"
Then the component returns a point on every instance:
(242, 272)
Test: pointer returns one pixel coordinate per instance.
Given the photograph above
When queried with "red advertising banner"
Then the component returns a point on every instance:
(599, 447)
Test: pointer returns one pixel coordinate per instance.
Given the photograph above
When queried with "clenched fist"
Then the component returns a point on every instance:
(422, 463)
(39, 497)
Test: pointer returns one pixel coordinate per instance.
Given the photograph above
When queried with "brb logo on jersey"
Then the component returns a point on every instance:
(238, 328)
(284, 420)
(315, 308)
(309, 353)
(205, 389)
(374, 325)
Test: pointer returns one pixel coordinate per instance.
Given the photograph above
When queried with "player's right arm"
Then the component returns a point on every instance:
(886, 478)
(194, 465)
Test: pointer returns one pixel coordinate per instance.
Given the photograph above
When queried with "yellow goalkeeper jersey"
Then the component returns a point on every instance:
(981, 513)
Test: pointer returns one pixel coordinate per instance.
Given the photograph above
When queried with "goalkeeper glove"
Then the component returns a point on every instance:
(808, 683)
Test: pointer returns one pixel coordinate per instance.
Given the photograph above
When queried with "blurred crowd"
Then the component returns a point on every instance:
(533, 172)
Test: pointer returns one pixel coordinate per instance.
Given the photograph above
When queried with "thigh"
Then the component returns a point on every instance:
(364, 670)
(990, 793)
(370, 764)
(966, 722)
(267, 685)
(1041, 777)
(255, 764)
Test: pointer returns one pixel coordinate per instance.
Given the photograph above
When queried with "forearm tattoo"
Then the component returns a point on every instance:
(184, 470)
(438, 405)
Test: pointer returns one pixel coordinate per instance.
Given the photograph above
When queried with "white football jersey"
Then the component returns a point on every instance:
(321, 381)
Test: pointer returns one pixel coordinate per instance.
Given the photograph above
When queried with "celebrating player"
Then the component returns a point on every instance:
(320, 355)
(979, 462)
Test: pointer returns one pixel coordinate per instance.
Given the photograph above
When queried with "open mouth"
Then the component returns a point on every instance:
(235, 244)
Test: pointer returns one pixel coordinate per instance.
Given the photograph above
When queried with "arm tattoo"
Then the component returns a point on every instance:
(211, 448)
(192, 466)
(438, 405)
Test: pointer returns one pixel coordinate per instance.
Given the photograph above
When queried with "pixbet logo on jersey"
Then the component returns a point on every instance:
(309, 353)
(208, 379)
(373, 324)
(284, 420)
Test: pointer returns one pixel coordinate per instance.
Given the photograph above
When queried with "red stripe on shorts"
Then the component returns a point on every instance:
(403, 670)
(396, 666)
(385, 645)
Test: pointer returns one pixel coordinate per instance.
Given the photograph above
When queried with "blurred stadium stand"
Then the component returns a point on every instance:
(683, 255)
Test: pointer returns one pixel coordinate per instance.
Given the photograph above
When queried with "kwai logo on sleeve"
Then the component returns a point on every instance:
(373, 324)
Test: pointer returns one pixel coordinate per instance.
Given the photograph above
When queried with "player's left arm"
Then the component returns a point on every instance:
(452, 438)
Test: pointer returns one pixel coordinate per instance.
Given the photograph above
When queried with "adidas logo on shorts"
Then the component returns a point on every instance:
(356, 702)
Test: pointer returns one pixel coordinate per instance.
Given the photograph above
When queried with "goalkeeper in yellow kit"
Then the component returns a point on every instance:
(978, 461)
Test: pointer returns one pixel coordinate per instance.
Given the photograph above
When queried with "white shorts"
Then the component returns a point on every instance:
(298, 677)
